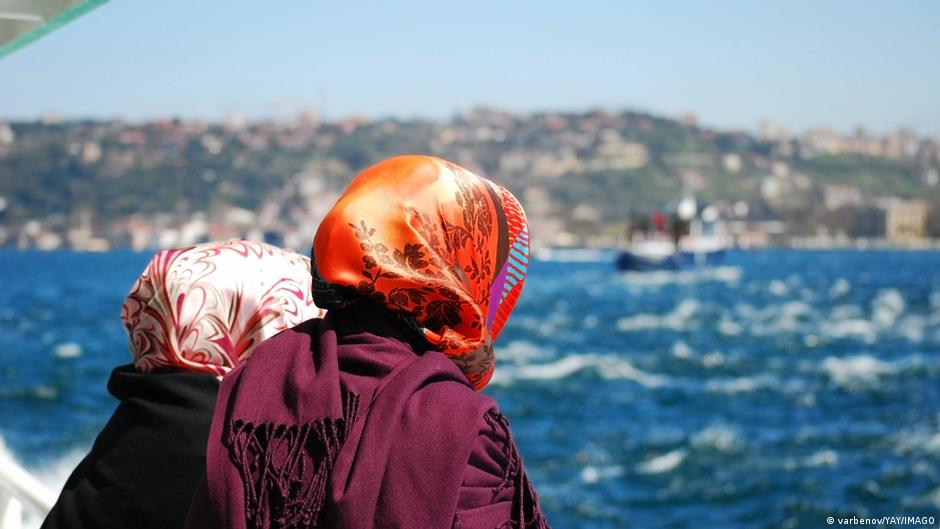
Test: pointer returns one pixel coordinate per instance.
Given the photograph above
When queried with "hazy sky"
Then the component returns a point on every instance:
(797, 63)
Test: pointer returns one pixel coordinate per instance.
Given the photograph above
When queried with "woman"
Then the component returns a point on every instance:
(190, 318)
(369, 417)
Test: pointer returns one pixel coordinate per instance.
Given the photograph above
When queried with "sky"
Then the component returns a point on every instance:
(796, 63)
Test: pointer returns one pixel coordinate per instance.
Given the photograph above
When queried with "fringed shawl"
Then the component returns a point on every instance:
(348, 422)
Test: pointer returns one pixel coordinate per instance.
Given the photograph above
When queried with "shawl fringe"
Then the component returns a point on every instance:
(525, 510)
(284, 468)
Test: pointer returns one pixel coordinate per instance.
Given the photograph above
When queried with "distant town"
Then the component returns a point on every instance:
(584, 178)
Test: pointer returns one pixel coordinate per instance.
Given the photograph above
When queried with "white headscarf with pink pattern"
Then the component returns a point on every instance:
(206, 307)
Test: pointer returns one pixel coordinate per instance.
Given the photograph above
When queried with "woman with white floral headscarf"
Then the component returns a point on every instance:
(191, 317)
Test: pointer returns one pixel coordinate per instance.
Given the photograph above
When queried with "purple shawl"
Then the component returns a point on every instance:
(350, 422)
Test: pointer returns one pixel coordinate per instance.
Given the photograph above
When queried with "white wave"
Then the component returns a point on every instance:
(932, 444)
(640, 322)
(68, 350)
(590, 321)
(746, 311)
(795, 309)
(854, 371)
(823, 458)
(685, 309)
(729, 327)
(662, 464)
(932, 497)
(791, 311)
(806, 399)
(713, 359)
(501, 376)
(681, 349)
(740, 384)
(935, 309)
(606, 366)
(807, 294)
(913, 328)
(747, 384)
(520, 352)
(717, 437)
(918, 441)
(790, 317)
(886, 307)
(849, 321)
(726, 274)
(559, 318)
(787, 318)
(545, 325)
(45, 392)
(891, 299)
(593, 474)
(846, 312)
(839, 288)
(778, 288)
(680, 318)
(611, 367)
(559, 369)
(853, 328)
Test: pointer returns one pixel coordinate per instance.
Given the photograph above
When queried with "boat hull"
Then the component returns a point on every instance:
(630, 261)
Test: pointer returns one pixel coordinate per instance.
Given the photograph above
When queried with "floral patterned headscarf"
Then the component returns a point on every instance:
(204, 308)
(433, 242)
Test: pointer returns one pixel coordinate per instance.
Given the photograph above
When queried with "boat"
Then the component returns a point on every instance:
(649, 254)
(22, 494)
(689, 236)
(22, 23)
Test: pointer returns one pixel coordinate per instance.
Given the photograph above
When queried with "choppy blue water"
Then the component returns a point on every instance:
(774, 391)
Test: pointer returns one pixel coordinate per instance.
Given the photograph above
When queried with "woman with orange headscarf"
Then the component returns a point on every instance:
(370, 416)
(191, 316)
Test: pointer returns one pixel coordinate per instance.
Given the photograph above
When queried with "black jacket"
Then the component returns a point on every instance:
(147, 461)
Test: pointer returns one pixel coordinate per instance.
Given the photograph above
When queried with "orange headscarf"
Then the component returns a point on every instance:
(434, 242)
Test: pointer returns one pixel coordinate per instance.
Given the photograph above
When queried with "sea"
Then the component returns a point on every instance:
(777, 390)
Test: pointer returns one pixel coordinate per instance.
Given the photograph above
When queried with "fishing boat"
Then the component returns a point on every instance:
(686, 236)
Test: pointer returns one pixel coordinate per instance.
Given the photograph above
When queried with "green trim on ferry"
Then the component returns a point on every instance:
(19, 29)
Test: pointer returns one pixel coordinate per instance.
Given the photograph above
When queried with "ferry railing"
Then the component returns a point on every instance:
(20, 492)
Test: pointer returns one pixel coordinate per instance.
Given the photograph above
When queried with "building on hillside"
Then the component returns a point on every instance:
(841, 195)
(905, 221)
